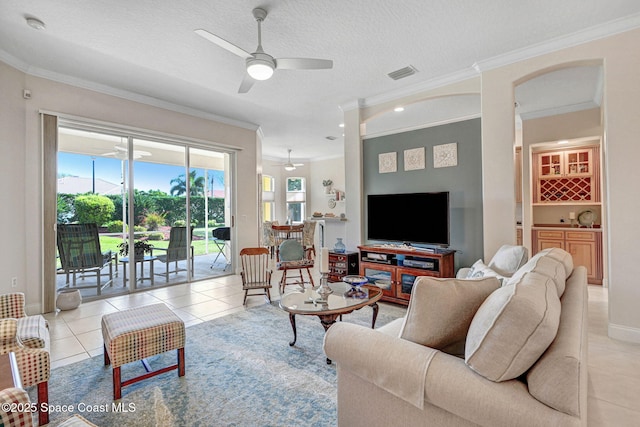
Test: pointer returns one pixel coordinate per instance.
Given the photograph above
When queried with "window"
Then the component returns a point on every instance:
(268, 198)
(296, 197)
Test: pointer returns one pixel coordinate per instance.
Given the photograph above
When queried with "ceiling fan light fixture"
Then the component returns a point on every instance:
(289, 167)
(261, 66)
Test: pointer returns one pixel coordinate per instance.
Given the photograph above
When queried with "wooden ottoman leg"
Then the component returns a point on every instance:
(181, 368)
(117, 384)
(43, 399)
(106, 356)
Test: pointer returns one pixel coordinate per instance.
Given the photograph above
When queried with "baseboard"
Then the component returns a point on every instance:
(624, 333)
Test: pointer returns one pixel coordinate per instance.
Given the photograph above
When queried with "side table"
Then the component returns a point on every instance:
(141, 261)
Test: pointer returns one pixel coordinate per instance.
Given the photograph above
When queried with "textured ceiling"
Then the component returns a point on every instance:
(148, 48)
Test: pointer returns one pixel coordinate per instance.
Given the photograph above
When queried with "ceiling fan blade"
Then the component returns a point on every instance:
(223, 43)
(303, 64)
(298, 164)
(246, 84)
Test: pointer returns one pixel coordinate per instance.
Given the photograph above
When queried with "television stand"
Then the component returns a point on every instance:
(394, 268)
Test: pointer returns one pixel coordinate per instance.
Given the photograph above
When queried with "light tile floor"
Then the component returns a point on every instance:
(614, 366)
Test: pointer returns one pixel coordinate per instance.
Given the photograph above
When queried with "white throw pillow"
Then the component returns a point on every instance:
(508, 259)
(440, 310)
(479, 270)
(546, 266)
(513, 328)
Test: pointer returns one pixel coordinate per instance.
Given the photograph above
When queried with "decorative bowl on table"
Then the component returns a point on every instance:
(356, 282)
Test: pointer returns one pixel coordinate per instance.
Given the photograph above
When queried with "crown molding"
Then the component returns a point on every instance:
(597, 32)
(119, 93)
(580, 37)
(564, 109)
(420, 126)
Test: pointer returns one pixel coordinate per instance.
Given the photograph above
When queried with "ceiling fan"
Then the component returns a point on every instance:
(121, 153)
(260, 65)
(291, 166)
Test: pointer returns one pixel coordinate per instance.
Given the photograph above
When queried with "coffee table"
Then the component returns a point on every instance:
(309, 303)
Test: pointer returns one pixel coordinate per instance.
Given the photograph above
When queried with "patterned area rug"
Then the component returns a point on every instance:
(240, 371)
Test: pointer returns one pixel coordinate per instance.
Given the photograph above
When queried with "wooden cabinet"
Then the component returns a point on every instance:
(394, 270)
(570, 176)
(585, 248)
(341, 265)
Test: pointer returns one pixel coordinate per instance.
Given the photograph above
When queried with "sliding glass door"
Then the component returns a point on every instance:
(157, 211)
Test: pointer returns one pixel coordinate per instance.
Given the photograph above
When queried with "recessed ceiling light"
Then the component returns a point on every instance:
(35, 23)
(398, 109)
(564, 141)
(341, 125)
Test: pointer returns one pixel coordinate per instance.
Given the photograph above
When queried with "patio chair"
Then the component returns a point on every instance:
(176, 251)
(80, 253)
(255, 272)
(221, 238)
(293, 257)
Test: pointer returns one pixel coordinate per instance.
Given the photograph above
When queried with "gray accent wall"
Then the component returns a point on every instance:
(463, 182)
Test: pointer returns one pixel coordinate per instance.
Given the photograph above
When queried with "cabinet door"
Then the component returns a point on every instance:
(579, 162)
(406, 278)
(381, 276)
(584, 253)
(550, 165)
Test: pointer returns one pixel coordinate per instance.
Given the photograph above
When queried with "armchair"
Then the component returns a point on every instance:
(33, 363)
(33, 331)
(176, 251)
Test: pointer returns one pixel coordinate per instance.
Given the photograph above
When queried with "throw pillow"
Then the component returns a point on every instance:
(479, 270)
(440, 310)
(509, 259)
(546, 266)
(513, 327)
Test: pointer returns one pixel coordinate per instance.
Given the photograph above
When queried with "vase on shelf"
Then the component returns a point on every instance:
(339, 247)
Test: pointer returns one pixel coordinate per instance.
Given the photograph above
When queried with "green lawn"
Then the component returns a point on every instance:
(110, 243)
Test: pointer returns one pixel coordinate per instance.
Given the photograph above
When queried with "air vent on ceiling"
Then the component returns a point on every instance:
(331, 138)
(403, 72)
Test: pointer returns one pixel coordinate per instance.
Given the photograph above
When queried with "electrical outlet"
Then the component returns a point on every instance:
(14, 282)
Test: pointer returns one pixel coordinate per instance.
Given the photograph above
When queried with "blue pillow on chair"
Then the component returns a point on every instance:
(291, 250)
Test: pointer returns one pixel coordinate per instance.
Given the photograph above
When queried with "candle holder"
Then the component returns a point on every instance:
(324, 290)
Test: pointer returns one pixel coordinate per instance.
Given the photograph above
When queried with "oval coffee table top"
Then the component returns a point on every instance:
(310, 302)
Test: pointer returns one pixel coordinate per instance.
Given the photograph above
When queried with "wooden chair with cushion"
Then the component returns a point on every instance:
(293, 258)
(308, 237)
(255, 272)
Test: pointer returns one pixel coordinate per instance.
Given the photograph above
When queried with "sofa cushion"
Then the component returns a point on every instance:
(440, 310)
(544, 264)
(508, 259)
(513, 327)
(560, 255)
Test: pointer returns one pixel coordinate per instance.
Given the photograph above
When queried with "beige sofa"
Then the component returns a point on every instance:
(511, 353)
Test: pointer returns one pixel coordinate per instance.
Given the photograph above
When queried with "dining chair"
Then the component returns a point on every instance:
(292, 258)
(255, 272)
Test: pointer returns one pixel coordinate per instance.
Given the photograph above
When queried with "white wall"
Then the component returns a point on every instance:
(321, 170)
(22, 163)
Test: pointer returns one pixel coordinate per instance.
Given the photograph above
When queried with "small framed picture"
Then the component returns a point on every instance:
(388, 162)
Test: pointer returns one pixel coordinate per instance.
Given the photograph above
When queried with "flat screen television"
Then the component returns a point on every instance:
(411, 217)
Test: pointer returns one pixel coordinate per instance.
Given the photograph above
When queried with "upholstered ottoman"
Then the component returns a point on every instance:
(136, 334)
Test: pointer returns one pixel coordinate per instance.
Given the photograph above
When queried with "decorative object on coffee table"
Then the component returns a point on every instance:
(356, 283)
(68, 299)
(324, 290)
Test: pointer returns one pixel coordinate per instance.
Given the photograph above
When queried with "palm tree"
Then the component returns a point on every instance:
(179, 185)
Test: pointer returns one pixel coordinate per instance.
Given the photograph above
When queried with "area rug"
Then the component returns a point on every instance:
(240, 371)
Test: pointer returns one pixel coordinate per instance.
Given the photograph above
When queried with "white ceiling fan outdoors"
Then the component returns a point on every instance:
(121, 153)
(291, 166)
(260, 65)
